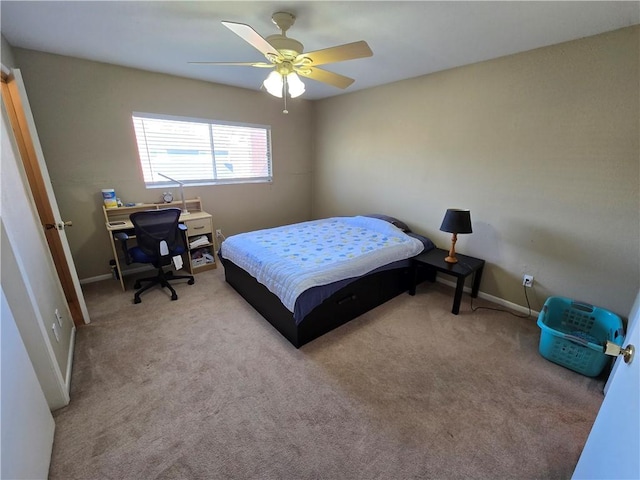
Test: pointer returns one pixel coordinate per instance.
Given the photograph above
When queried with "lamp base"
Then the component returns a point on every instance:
(451, 258)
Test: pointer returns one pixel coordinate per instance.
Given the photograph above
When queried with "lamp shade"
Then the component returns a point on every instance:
(456, 221)
(294, 85)
(274, 84)
(277, 85)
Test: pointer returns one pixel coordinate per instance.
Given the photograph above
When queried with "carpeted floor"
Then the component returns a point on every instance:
(204, 388)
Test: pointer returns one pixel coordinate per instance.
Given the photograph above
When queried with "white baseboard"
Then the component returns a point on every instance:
(485, 296)
(72, 346)
(107, 276)
(98, 278)
(493, 299)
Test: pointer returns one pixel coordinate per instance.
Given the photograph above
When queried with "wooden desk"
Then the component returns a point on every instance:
(198, 222)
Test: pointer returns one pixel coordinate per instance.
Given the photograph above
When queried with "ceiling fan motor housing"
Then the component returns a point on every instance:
(288, 47)
(283, 20)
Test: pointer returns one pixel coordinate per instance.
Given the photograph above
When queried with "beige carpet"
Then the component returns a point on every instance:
(204, 388)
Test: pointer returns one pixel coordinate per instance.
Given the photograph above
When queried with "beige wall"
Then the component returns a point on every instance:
(6, 53)
(83, 109)
(541, 146)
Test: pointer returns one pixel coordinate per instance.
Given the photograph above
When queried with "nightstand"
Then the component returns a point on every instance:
(434, 260)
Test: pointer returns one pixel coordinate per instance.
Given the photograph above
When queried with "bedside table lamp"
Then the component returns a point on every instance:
(455, 221)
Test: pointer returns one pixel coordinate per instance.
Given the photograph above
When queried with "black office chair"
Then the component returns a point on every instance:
(159, 238)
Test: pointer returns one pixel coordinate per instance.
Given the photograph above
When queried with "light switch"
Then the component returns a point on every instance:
(54, 327)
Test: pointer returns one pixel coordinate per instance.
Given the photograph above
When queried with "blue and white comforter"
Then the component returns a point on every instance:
(291, 259)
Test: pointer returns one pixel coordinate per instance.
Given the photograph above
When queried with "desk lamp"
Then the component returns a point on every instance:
(455, 221)
(184, 204)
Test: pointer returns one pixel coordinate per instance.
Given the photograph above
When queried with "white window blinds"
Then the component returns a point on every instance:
(197, 151)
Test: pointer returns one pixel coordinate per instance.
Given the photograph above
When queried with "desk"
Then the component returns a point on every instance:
(434, 259)
(198, 222)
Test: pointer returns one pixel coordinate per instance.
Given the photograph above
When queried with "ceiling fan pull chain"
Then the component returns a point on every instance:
(284, 93)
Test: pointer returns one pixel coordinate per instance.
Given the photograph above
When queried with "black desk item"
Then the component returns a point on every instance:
(435, 260)
(159, 238)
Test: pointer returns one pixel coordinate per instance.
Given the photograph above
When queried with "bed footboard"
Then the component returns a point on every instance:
(346, 304)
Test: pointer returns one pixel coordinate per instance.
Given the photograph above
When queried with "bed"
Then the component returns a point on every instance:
(308, 278)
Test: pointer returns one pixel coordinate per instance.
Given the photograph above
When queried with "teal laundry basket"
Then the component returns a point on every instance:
(573, 334)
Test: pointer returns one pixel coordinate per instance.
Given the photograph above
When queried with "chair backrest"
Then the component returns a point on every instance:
(157, 232)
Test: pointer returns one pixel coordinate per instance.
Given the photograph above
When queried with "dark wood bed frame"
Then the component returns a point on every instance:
(346, 304)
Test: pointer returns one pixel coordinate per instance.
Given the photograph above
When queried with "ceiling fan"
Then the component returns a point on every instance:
(285, 55)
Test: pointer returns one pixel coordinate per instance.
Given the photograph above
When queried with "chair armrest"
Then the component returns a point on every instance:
(123, 237)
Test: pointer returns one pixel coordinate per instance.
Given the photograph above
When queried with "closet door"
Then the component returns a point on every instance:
(29, 278)
(14, 96)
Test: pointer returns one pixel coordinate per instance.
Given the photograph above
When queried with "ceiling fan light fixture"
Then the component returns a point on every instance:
(274, 83)
(295, 86)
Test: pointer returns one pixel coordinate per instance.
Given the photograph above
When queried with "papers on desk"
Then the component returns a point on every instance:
(198, 242)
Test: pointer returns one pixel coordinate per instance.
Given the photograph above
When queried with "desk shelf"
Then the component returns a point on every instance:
(121, 214)
(198, 222)
(201, 246)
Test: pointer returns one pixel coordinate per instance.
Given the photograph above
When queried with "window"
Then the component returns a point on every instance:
(201, 152)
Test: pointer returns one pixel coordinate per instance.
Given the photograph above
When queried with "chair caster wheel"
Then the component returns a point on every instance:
(136, 300)
(174, 297)
(191, 281)
(137, 285)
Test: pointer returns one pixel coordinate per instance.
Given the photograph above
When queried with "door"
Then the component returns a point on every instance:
(15, 97)
(29, 278)
(613, 447)
(27, 423)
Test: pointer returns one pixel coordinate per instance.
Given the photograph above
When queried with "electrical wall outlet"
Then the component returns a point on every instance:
(527, 280)
(218, 233)
(58, 317)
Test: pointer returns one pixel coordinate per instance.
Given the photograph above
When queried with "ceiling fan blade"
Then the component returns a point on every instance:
(252, 37)
(247, 64)
(325, 76)
(348, 51)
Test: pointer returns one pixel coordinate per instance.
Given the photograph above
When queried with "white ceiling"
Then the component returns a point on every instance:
(408, 39)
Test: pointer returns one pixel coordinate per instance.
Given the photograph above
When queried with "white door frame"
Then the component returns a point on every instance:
(21, 119)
